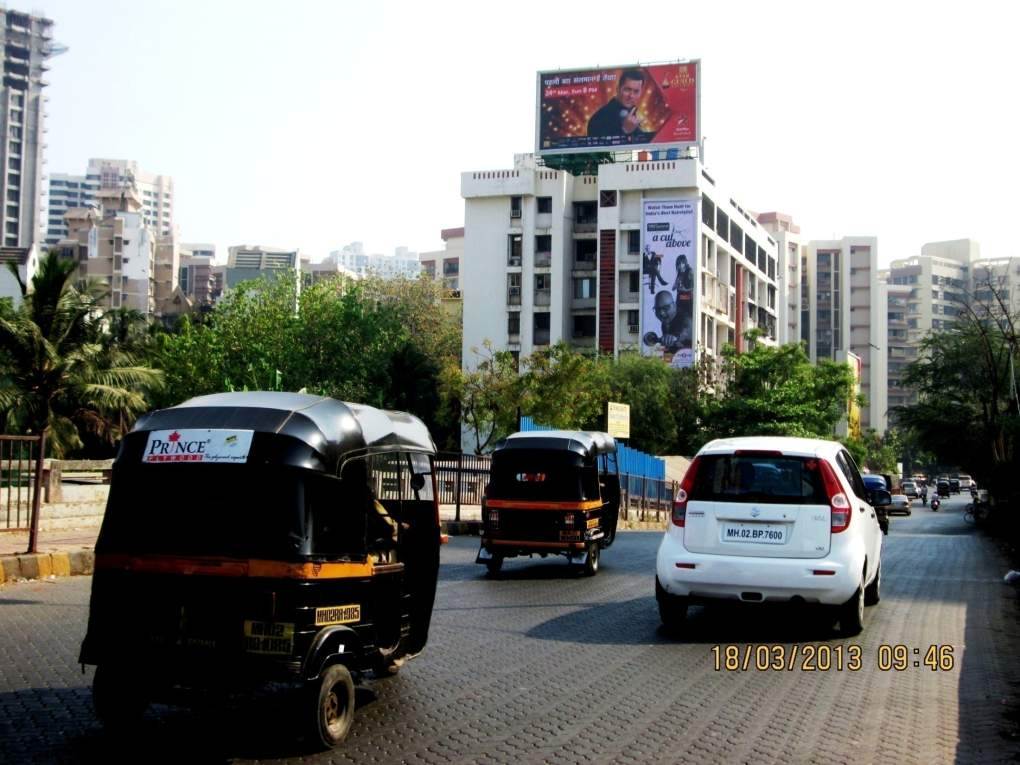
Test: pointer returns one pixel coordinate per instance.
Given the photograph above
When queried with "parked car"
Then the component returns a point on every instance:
(910, 489)
(772, 520)
(966, 482)
(900, 504)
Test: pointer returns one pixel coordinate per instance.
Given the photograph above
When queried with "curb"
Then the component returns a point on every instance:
(14, 568)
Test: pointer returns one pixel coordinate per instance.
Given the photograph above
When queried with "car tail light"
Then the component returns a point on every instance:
(568, 520)
(679, 517)
(841, 511)
(493, 518)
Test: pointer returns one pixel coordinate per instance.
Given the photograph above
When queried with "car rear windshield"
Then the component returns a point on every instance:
(764, 479)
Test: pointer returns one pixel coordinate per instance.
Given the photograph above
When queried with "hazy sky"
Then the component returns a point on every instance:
(313, 124)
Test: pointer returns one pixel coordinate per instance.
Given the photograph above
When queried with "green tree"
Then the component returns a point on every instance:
(57, 376)
(487, 397)
(776, 391)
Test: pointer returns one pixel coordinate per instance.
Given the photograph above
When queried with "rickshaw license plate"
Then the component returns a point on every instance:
(757, 533)
(269, 637)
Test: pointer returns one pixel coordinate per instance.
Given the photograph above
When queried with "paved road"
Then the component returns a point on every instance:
(546, 667)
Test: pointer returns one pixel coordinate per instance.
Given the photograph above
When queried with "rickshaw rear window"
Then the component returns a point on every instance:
(542, 475)
(222, 510)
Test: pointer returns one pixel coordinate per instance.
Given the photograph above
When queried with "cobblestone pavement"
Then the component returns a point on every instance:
(542, 666)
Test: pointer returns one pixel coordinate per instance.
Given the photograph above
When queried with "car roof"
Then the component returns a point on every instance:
(805, 447)
(583, 442)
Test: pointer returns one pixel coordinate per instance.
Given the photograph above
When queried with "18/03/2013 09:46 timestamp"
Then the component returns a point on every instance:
(827, 658)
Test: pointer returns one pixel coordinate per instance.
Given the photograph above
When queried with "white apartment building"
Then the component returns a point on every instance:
(788, 276)
(844, 307)
(26, 42)
(248, 262)
(68, 192)
(994, 280)
(549, 257)
(402, 263)
(925, 293)
(444, 265)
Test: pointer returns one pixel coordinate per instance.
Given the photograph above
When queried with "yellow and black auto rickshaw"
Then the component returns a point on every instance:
(551, 492)
(255, 538)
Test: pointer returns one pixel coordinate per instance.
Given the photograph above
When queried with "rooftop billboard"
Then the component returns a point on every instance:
(632, 107)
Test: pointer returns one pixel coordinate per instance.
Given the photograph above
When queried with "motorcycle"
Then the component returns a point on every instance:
(935, 502)
(924, 495)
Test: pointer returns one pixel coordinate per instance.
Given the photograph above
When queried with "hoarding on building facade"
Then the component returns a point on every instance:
(629, 106)
(668, 279)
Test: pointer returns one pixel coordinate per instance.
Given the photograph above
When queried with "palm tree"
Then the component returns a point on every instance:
(55, 375)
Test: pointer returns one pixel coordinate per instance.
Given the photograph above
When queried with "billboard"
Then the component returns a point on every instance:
(618, 419)
(668, 279)
(626, 106)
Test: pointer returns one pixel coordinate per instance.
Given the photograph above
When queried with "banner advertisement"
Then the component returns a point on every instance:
(618, 419)
(629, 106)
(668, 279)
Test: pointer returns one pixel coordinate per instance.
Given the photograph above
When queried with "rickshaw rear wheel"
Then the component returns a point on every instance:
(591, 561)
(117, 697)
(493, 565)
(334, 705)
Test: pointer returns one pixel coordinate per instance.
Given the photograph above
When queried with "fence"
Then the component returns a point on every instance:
(461, 480)
(21, 462)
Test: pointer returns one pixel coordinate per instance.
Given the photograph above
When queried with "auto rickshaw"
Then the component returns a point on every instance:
(943, 488)
(551, 493)
(256, 538)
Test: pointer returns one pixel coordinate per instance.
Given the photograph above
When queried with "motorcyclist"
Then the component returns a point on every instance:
(923, 491)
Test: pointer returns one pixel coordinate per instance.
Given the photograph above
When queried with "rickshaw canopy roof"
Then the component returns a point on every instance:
(330, 427)
(586, 443)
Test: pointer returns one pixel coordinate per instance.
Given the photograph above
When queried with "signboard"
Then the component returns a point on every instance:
(633, 107)
(668, 279)
(199, 445)
(853, 410)
(618, 420)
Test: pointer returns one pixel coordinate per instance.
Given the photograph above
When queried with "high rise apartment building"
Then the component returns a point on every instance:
(926, 293)
(68, 192)
(402, 263)
(113, 245)
(550, 256)
(444, 265)
(788, 275)
(26, 42)
(843, 307)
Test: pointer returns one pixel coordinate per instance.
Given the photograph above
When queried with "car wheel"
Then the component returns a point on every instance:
(672, 609)
(872, 593)
(333, 697)
(851, 614)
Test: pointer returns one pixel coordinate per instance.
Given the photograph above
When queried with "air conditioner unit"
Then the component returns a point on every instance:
(515, 213)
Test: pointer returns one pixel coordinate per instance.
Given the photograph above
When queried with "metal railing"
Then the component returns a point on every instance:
(21, 474)
(461, 480)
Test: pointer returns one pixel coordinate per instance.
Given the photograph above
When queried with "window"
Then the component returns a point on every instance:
(12, 211)
(541, 325)
(513, 324)
(737, 240)
(584, 326)
(451, 267)
(545, 204)
(722, 223)
(15, 147)
(759, 479)
(515, 207)
(584, 253)
(749, 248)
(12, 228)
(13, 164)
(607, 198)
(515, 243)
(585, 213)
(543, 251)
(633, 321)
(633, 281)
(633, 242)
(584, 289)
(707, 211)
(543, 282)
(513, 289)
(18, 100)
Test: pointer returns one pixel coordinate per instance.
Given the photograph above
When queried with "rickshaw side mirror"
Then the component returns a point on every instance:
(417, 481)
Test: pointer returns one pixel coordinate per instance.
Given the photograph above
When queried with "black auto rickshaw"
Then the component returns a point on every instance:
(551, 492)
(943, 488)
(256, 538)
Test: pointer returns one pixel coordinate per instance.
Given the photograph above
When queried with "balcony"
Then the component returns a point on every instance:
(543, 259)
(513, 296)
(584, 264)
(543, 297)
(541, 337)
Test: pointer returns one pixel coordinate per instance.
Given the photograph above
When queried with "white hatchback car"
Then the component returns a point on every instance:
(770, 519)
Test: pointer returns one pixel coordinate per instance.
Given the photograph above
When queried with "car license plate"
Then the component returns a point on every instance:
(757, 533)
(268, 637)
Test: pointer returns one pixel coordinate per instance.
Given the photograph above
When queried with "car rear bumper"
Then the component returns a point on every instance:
(752, 579)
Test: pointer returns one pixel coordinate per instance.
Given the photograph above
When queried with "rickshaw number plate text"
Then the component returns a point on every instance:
(198, 445)
(337, 615)
(268, 637)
